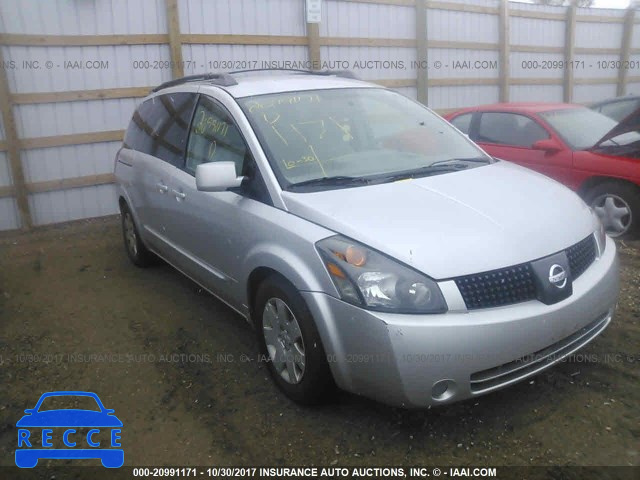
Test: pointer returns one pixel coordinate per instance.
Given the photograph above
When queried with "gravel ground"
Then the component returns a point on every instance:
(70, 300)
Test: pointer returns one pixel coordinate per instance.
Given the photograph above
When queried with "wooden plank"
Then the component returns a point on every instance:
(395, 82)
(422, 54)
(77, 95)
(536, 81)
(313, 40)
(599, 19)
(537, 15)
(175, 45)
(402, 3)
(73, 139)
(625, 52)
(569, 45)
(367, 42)
(462, 7)
(536, 49)
(595, 81)
(504, 50)
(82, 40)
(68, 183)
(596, 51)
(463, 45)
(13, 150)
(457, 82)
(7, 191)
(226, 39)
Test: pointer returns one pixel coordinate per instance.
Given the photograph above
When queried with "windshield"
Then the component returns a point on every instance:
(334, 137)
(582, 128)
(63, 402)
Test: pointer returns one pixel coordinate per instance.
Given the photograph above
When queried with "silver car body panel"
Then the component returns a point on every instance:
(446, 225)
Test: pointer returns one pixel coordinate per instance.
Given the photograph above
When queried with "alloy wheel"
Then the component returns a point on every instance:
(614, 212)
(284, 341)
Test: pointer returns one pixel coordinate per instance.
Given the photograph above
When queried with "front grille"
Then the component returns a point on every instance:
(502, 375)
(516, 284)
(581, 255)
(498, 287)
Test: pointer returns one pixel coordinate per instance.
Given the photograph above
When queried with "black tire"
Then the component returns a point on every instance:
(316, 383)
(138, 253)
(623, 195)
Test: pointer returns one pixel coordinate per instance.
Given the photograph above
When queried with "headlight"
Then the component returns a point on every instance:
(371, 280)
(600, 233)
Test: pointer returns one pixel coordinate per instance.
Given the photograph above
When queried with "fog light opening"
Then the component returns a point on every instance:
(443, 390)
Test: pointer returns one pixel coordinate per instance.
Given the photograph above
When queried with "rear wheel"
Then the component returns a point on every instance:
(618, 206)
(288, 337)
(136, 250)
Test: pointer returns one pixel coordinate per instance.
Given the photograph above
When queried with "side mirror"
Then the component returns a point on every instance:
(217, 176)
(109, 411)
(547, 145)
(30, 411)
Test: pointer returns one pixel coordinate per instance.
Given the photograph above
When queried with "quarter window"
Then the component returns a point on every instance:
(509, 129)
(214, 138)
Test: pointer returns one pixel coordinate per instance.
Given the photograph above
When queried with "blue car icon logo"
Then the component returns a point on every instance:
(43, 432)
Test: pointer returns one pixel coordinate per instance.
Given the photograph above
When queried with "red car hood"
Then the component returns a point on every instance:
(629, 124)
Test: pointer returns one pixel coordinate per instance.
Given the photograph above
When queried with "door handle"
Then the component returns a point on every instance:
(162, 187)
(179, 195)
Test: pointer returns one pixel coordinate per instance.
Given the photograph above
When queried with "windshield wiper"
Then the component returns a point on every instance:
(334, 181)
(461, 160)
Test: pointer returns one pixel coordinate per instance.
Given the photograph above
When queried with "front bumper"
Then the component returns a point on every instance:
(421, 360)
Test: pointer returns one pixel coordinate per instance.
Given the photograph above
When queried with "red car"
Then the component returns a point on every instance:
(587, 151)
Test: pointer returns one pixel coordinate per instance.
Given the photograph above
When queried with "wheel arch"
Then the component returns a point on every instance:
(596, 180)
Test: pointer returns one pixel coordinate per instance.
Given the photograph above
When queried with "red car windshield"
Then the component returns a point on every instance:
(582, 128)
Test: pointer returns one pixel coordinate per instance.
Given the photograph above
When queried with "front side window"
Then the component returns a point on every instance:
(509, 129)
(214, 137)
(359, 133)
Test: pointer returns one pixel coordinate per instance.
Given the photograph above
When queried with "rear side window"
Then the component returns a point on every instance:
(462, 122)
(160, 126)
(509, 129)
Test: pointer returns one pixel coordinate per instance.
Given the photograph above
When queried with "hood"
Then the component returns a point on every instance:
(631, 123)
(457, 223)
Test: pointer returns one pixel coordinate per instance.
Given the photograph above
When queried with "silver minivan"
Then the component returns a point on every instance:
(372, 245)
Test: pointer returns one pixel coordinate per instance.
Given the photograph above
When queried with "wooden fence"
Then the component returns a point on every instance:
(13, 146)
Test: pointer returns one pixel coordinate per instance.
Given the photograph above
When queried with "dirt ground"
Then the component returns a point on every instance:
(75, 314)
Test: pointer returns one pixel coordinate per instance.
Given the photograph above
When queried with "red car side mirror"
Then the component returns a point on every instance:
(548, 145)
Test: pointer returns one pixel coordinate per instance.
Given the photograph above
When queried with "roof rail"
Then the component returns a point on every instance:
(223, 79)
(337, 73)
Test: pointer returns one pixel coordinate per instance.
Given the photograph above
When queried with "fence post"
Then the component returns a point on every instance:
(625, 50)
(13, 150)
(504, 51)
(313, 44)
(175, 44)
(422, 54)
(570, 27)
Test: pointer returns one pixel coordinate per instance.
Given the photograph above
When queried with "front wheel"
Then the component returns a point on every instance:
(287, 335)
(618, 206)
